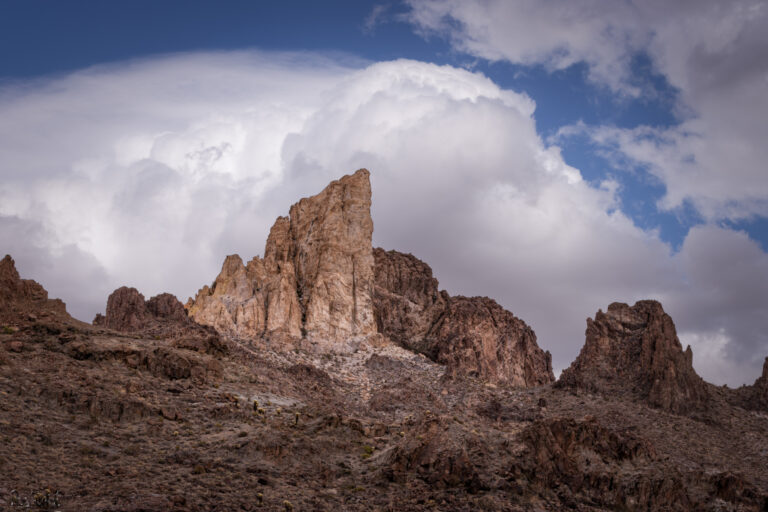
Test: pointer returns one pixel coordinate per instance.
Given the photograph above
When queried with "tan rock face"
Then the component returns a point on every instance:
(635, 350)
(316, 277)
(471, 336)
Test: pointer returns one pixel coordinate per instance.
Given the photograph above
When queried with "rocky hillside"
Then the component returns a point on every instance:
(406, 399)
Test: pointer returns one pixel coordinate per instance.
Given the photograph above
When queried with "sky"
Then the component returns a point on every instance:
(555, 155)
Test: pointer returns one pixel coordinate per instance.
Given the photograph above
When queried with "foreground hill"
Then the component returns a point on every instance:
(406, 399)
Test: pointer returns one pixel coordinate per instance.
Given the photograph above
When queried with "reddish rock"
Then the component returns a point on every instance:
(23, 301)
(166, 306)
(476, 336)
(407, 301)
(754, 397)
(438, 455)
(471, 336)
(636, 350)
(586, 461)
(162, 316)
(126, 310)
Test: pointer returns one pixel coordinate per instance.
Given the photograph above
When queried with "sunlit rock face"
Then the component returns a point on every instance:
(316, 277)
(635, 349)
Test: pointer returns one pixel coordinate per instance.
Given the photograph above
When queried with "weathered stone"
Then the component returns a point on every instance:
(584, 458)
(407, 301)
(636, 350)
(162, 316)
(126, 310)
(754, 397)
(24, 300)
(316, 277)
(471, 336)
(438, 455)
(476, 336)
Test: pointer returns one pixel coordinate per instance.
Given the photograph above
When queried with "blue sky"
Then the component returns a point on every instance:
(43, 38)
(641, 172)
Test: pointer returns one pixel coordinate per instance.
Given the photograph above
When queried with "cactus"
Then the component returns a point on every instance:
(288, 506)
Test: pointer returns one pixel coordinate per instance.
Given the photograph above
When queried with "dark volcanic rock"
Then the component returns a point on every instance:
(126, 310)
(437, 455)
(20, 298)
(476, 336)
(471, 335)
(407, 300)
(584, 461)
(167, 306)
(636, 350)
(754, 397)
(162, 316)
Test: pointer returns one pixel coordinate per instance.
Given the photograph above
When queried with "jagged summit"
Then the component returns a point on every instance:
(321, 279)
(161, 317)
(636, 350)
(316, 277)
(25, 299)
(470, 335)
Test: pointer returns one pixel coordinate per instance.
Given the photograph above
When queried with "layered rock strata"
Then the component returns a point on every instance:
(470, 335)
(316, 277)
(636, 350)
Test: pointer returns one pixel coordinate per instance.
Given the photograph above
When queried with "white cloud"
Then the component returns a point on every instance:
(715, 53)
(147, 174)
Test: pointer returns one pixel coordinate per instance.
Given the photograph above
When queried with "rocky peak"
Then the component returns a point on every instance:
(20, 298)
(636, 350)
(470, 335)
(754, 397)
(161, 317)
(316, 277)
(126, 310)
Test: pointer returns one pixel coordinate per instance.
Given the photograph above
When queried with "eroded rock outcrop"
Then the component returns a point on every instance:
(24, 300)
(754, 397)
(316, 277)
(162, 316)
(470, 335)
(635, 350)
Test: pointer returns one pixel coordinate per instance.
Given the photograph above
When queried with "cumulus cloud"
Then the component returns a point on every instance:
(148, 173)
(715, 53)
